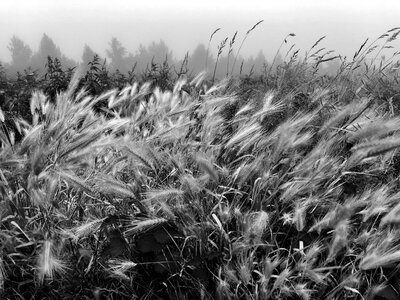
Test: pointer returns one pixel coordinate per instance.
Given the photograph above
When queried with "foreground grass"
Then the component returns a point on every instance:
(204, 193)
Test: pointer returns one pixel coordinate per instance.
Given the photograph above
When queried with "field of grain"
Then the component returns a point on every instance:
(282, 186)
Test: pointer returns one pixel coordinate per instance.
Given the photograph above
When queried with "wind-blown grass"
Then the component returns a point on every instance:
(202, 195)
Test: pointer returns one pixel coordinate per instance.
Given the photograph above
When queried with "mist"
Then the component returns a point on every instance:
(183, 25)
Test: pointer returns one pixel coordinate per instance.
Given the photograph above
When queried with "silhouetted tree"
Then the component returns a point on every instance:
(20, 55)
(159, 52)
(131, 62)
(46, 48)
(87, 57)
(67, 62)
(197, 59)
(143, 58)
(117, 54)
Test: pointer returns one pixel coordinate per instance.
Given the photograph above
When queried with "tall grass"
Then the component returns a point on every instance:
(203, 193)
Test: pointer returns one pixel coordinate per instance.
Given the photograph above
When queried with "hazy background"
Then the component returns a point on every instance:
(182, 25)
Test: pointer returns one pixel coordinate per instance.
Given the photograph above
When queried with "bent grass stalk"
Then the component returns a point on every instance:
(241, 44)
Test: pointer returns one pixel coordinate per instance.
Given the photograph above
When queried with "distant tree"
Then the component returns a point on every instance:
(87, 57)
(142, 58)
(259, 62)
(131, 61)
(197, 59)
(156, 53)
(67, 62)
(159, 52)
(46, 48)
(117, 54)
(88, 54)
(254, 66)
(20, 55)
(248, 66)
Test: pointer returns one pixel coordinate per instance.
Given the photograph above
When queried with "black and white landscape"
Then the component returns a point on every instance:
(209, 150)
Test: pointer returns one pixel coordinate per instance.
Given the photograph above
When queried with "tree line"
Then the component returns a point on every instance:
(118, 58)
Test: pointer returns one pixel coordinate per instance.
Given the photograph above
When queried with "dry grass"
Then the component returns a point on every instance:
(175, 196)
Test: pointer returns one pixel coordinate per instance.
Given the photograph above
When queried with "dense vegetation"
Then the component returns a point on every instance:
(159, 186)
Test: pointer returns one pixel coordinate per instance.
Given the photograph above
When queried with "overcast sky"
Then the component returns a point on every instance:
(184, 24)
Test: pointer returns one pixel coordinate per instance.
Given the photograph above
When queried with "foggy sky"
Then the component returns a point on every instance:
(184, 24)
